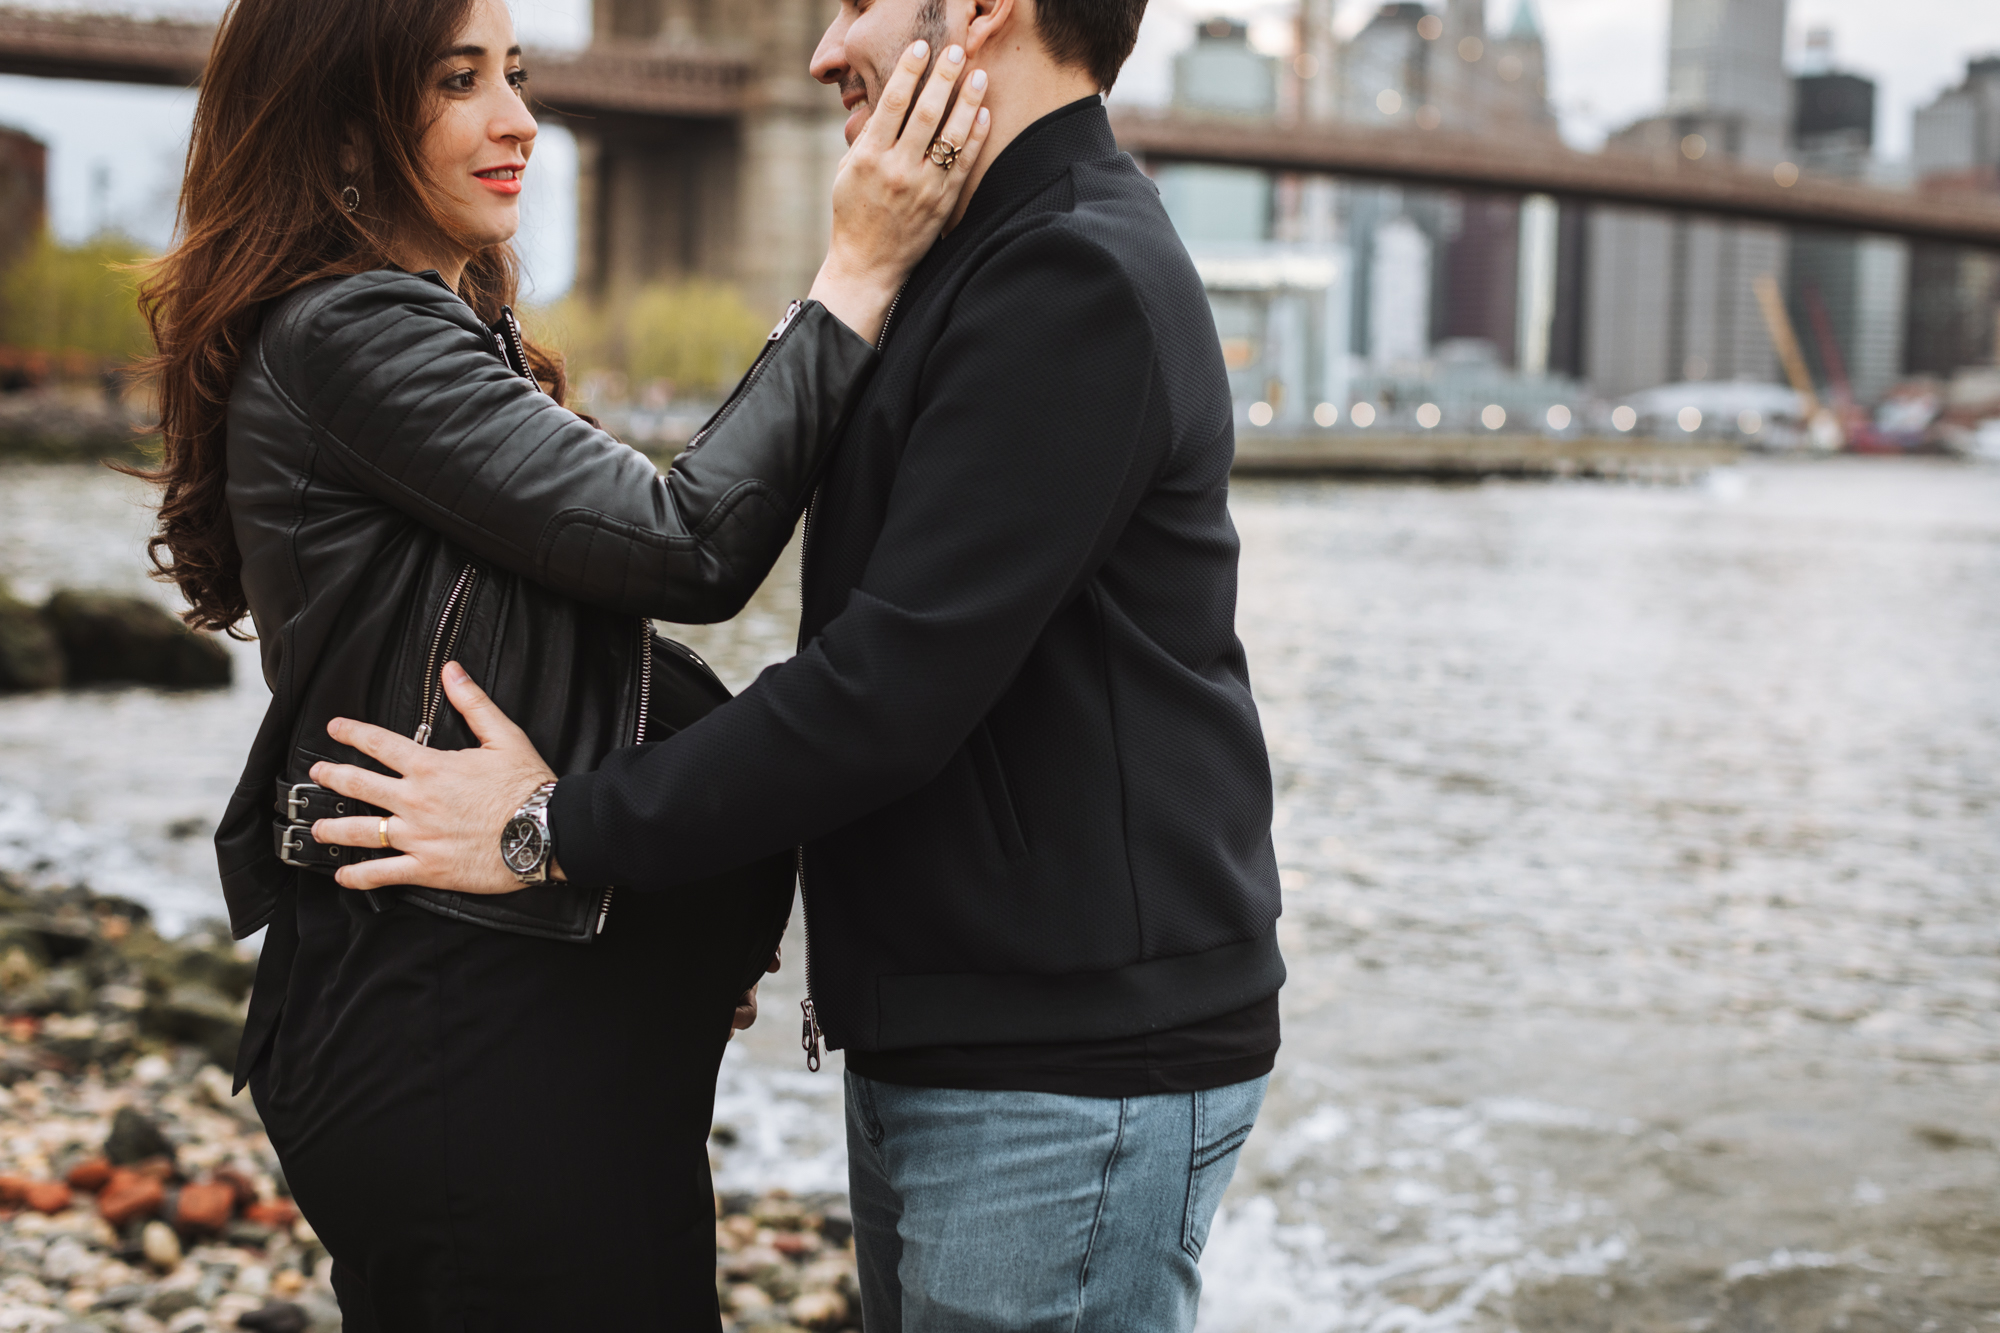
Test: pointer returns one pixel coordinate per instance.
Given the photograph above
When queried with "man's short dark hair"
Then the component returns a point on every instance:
(1095, 34)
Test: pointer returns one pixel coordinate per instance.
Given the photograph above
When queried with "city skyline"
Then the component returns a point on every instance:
(115, 150)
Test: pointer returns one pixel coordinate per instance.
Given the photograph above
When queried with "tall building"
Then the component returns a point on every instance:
(1958, 135)
(1435, 71)
(1845, 293)
(1728, 95)
(1276, 278)
(1954, 293)
(24, 173)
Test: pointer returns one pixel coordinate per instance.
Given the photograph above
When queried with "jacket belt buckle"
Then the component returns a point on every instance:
(296, 798)
(297, 837)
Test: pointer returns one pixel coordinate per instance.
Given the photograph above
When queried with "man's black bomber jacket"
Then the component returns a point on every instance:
(1018, 741)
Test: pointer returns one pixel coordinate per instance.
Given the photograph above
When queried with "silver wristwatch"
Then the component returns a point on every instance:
(525, 844)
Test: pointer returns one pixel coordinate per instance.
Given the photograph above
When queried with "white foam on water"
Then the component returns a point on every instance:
(47, 852)
(1416, 1219)
(785, 1125)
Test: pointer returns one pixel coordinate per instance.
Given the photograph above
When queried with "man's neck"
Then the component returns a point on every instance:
(1026, 87)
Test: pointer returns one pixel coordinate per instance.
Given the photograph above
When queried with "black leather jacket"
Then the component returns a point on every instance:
(403, 495)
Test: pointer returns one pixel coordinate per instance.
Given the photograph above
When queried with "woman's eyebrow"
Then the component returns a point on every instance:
(475, 51)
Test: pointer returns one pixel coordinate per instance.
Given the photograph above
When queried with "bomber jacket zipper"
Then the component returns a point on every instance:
(810, 1035)
(638, 730)
(444, 641)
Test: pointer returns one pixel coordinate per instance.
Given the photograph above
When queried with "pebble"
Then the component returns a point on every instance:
(138, 1196)
(161, 1246)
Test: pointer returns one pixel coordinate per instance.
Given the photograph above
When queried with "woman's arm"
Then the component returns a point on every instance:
(398, 380)
(399, 383)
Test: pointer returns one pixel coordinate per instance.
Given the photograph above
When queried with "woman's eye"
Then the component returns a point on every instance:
(460, 82)
(517, 79)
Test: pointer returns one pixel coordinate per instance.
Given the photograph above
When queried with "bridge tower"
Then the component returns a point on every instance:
(739, 197)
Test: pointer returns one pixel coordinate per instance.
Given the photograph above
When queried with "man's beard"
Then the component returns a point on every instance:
(930, 27)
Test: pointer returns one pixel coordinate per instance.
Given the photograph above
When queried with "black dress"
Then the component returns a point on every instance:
(494, 1132)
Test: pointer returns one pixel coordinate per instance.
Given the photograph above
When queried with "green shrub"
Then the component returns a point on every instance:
(696, 336)
(75, 299)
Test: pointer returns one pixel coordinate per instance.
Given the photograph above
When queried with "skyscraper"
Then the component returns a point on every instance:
(1727, 94)
(1845, 293)
(1954, 304)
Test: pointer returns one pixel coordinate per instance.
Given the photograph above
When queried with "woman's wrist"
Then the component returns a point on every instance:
(860, 301)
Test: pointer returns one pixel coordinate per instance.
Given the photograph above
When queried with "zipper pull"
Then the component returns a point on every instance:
(791, 313)
(423, 736)
(809, 1036)
(603, 912)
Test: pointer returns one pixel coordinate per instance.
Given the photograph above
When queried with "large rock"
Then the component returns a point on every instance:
(30, 656)
(106, 637)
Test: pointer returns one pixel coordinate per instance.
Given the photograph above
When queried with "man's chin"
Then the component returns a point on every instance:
(855, 120)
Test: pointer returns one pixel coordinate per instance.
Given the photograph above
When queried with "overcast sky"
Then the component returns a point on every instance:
(115, 151)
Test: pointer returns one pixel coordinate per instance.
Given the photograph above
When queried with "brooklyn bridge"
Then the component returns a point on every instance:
(706, 148)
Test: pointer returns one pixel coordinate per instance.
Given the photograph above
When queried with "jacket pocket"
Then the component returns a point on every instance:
(999, 800)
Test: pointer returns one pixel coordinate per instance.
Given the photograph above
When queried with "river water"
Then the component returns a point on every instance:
(1641, 855)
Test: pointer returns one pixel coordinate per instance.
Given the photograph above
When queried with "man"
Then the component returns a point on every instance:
(1017, 744)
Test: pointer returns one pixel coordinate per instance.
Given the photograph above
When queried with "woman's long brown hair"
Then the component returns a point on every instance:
(292, 89)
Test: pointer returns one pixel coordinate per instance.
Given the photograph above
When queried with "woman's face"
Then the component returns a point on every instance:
(477, 148)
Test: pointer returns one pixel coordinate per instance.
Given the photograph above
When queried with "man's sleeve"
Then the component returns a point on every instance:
(1023, 464)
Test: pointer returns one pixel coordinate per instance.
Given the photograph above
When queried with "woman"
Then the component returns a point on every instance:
(493, 1115)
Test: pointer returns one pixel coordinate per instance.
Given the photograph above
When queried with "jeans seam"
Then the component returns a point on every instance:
(1097, 1219)
(871, 1116)
(1197, 1127)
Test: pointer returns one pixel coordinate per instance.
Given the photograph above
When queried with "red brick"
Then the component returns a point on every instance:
(49, 1196)
(13, 1190)
(278, 1213)
(90, 1175)
(128, 1195)
(205, 1207)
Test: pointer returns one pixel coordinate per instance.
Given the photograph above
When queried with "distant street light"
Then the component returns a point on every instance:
(1388, 101)
(1493, 416)
(1362, 414)
(1558, 417)
(1260, 414)
(1690, 419)
(1428, 416)
(1623, 418)
(1325, 414)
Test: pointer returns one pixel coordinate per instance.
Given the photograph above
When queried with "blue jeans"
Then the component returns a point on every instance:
(1029, 1212)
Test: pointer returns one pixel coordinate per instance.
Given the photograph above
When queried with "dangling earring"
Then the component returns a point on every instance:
(350, 198)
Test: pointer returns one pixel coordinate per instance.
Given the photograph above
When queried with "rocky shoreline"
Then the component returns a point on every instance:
(138, 1196)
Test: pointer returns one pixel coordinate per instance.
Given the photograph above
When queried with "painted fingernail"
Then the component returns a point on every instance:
(983, 118)
(920, 49)
(978, 79)
(955, 54)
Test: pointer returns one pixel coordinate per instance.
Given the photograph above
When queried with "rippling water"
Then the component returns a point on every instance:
(1642, 870)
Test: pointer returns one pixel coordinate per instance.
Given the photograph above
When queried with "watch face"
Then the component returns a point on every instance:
(521, 845)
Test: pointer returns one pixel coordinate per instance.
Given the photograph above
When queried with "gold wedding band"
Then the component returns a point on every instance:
(382, 830)
(943, 153)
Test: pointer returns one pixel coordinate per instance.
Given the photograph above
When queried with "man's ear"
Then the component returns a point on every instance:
(991, 20)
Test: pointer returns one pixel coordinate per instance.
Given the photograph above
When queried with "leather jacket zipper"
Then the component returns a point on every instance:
(638, 730)
(451, 622)
(751, 376)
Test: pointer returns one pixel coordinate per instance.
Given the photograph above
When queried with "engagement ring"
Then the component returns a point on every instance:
(944, 153)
